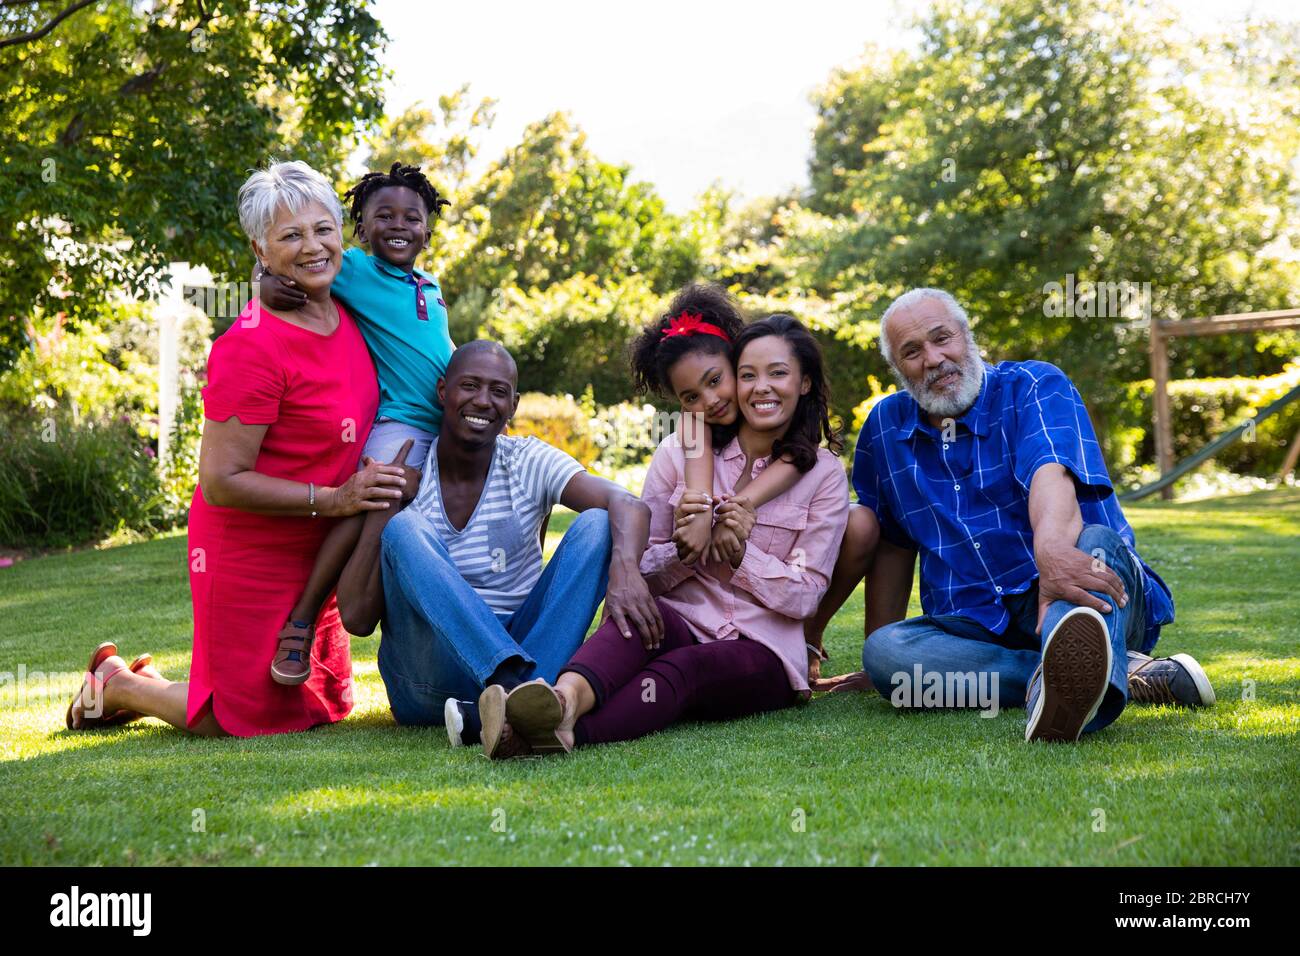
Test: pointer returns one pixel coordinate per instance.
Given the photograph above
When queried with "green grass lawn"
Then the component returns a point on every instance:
(844, 780)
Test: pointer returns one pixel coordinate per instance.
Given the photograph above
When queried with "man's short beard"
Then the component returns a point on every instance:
(952, 404)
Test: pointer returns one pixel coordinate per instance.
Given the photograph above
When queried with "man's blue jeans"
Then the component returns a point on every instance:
(440, 639)
(950, 644)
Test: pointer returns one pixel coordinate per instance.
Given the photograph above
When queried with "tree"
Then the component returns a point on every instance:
(574, 334)
(442, 144)
(549, 210)
(128, 129)
(1030, 141)
(850, 110)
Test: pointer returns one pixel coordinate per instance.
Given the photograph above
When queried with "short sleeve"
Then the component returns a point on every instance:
(345, 283)
(1052, 426)
(545, 470)
(246, 378)
(869, 486)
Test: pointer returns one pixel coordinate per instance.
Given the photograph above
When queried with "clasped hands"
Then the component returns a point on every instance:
(703, 533)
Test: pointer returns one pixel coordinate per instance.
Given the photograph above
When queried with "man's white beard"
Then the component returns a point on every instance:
(953, 403)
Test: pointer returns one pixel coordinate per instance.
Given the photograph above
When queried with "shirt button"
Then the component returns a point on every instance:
(956, 487)
(977, 545)
(998, 588)
(945, 447)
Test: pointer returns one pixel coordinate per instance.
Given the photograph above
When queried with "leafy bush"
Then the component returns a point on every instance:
(627, 433)
(572, 335)
(65, 481)
(104, 368)
(180, 471)
(557, 420)
(71, 370)
(1201, 409)
(80, 422)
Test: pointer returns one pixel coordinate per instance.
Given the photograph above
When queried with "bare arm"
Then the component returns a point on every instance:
(777, 478)
(1065, 572)
(360, 592)
(227, 458)
(693, 532)
(661, 565)
(697, 446)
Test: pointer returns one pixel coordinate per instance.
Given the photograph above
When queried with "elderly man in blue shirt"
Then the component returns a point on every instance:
(1029, 573)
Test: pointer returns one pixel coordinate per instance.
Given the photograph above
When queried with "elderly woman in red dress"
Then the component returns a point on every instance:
(289, 404)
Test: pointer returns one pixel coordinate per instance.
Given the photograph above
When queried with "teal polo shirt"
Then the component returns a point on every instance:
(403, 319)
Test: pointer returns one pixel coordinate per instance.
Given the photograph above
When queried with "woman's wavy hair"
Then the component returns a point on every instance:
(811, 423)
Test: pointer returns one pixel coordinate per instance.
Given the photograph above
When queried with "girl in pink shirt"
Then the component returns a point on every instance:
(729, 638)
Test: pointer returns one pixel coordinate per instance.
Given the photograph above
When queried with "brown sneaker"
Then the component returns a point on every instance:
(500, 742)
(1179, 680)
(292, 663)
(535, 711)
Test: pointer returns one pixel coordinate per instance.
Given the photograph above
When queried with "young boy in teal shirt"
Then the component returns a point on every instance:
(403, 318)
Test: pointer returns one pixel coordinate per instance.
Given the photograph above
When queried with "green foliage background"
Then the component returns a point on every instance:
(1021, 142)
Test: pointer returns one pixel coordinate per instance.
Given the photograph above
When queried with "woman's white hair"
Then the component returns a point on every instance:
(289, 186)
(912, 297)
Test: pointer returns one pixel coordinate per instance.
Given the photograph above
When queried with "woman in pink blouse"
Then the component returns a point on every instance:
(729, 640)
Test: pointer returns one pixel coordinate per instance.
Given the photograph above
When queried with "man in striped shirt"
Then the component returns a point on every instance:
(1029, 575)
(457, 576)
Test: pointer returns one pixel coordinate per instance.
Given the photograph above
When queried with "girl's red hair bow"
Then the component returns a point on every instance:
(693, 324)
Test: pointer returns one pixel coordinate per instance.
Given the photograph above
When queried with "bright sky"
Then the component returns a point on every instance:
(684, 92)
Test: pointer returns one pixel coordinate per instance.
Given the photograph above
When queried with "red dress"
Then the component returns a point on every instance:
(318, 394)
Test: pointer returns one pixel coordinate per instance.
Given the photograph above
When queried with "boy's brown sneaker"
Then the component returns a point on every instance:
(292, 663)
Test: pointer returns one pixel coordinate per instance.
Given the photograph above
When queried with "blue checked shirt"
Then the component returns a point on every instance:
(961, 498)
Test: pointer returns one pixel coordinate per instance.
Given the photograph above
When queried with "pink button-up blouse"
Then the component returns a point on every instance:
(788, 559)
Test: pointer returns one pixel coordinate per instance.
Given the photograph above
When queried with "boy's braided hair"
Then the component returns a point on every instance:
(399, 175)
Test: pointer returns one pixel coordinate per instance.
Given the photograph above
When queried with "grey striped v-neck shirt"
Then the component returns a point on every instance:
(498, 551)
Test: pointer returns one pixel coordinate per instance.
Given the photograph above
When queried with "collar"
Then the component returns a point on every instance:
(416, 275)
(975, 418)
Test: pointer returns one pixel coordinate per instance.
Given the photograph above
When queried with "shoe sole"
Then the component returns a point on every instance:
(534, 712)
(90, 669)
(1199, 677)
(492, 714)
(1077, 661)
(289, 680)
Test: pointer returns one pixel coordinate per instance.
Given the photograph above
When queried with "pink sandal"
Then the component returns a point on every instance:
(96, 681)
